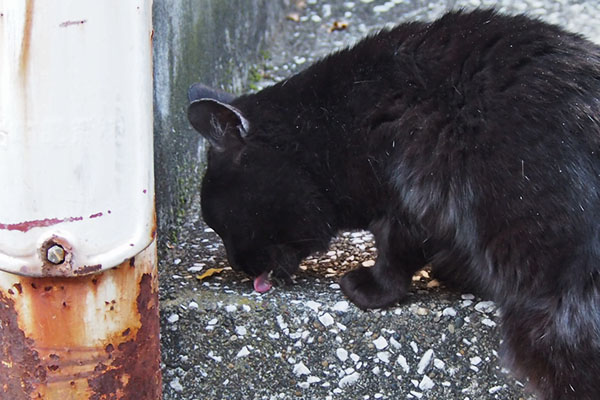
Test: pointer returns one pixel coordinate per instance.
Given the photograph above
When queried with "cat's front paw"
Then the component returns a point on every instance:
(361, 287)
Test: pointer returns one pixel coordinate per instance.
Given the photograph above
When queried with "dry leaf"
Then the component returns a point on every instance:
(208, 273)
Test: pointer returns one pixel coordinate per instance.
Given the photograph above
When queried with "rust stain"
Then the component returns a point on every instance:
(135, 361)
(87, 269)
(26, 43)
(50, 349)
(20, 367)
(71, 23)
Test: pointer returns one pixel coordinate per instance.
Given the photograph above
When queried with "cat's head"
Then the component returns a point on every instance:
(255, 195)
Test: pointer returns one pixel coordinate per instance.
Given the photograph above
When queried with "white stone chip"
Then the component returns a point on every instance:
(341, 306)
(301, 369)
(488, 322)
(215, 357)
(349, 380)
(439, 364)
(342, 354)
(449, 312)
(176, 385)
(243, 352)
(426, 383)
(475, 360)
(241, 330)
(230, 308)
(282, 325)
(403, 364)
(414, 347)
(425, 361)
(485, 307)
(380, 343)
(173, 318)
(384, 356)
(494, 389)
(326, 319)
(313, 305)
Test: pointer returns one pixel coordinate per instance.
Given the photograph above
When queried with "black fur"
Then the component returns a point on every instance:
(471, 142)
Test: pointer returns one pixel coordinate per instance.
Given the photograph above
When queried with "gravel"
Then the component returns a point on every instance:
(222, 340)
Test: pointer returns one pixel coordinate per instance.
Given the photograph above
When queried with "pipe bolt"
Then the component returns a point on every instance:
(55, 254)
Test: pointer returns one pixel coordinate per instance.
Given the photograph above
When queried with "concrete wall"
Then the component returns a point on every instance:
(210, 41)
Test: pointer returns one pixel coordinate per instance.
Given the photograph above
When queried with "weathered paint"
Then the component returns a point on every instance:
(76, 143)
(92, 337)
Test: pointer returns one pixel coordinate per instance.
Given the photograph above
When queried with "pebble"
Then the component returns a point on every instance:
(368, 263)
(349, 380)
(485, 307)
(384, 356)
(380, 343)
(326, 319)
(300, 369)
(341, 306)
(176, 385)
(241, 330)
(426, 383)
(425, 361)
(403, 364)
(414, 347)
(243, 352)
(475, 360)
(313, 305)
(173, 318)
(449, 312)
(299, 60)
(342, 354)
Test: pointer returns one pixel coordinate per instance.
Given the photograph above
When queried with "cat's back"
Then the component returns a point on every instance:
(493, 58)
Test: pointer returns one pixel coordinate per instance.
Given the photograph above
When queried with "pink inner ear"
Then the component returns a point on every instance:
(262, 283)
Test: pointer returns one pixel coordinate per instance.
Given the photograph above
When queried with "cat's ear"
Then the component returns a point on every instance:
(199, 91)
(220, 123)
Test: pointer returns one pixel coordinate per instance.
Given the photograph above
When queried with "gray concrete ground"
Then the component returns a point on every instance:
(221, 340)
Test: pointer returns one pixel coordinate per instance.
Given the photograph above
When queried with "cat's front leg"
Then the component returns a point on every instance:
(387, 282)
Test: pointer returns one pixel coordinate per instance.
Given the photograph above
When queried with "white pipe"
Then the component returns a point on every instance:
(75, 133)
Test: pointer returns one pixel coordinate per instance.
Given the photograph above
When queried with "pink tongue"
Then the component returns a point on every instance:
(261, 283)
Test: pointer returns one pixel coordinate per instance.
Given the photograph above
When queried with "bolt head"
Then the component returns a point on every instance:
(55, 254)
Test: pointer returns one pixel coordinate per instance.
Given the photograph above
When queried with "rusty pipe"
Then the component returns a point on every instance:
(91, 337)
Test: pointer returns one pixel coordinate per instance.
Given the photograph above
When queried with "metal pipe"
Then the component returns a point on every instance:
(78, 268)
(89, 337)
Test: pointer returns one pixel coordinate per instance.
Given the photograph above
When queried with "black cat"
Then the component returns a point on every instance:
(472, 143)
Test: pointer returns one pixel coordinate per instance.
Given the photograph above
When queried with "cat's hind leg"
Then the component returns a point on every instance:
(387, 282)
(555, 342)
